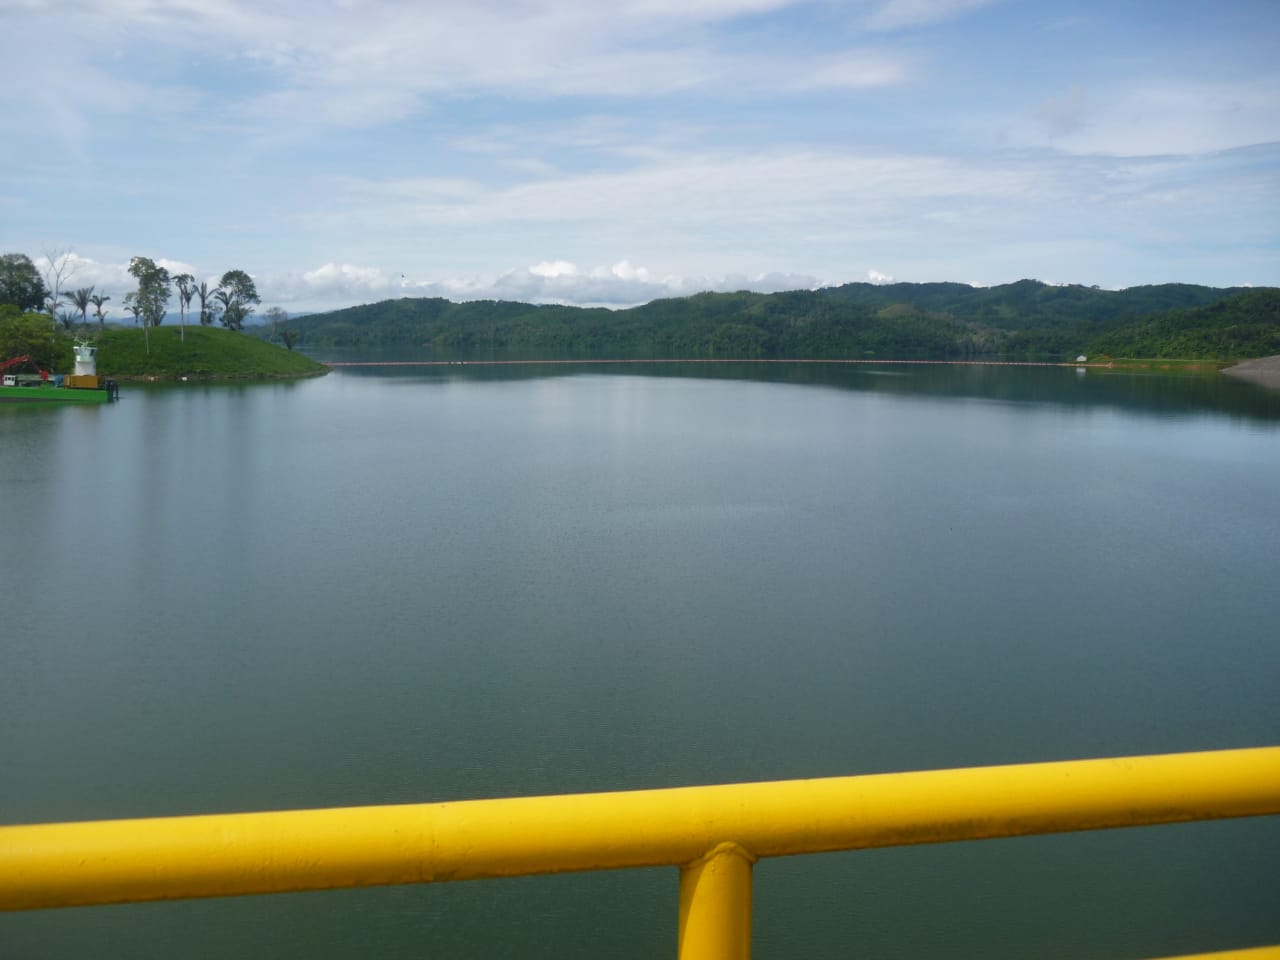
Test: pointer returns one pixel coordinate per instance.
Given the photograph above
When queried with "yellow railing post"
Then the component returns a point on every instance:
(715, 905)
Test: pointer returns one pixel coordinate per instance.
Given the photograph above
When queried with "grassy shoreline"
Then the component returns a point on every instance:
(198, 353)
(1163, 364)
(207, 354)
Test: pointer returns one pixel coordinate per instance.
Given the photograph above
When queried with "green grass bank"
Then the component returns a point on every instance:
(202, 353)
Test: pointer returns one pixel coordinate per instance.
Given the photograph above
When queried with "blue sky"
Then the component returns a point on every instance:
(344, 151)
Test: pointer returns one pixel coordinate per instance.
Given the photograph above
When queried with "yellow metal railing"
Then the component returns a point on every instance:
(713, 834)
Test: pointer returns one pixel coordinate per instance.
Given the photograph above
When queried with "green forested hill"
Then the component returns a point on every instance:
(1243, 325)
(1023, 320)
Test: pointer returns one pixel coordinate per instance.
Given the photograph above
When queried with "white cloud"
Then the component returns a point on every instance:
(899, 14)
(175, 267)
(770, 186)
(285, 69)
(555, 268)
(113, 280)
(831, 213)
(1173, 117)
(776, 219)
(85, 272)
(344, 279)
(702, 10)
(654, 145)
(621, 284)
(626, 271)
(57, 93)
(334, 285)
(851, 70)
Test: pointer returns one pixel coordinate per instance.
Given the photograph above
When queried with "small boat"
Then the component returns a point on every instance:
(40, 386)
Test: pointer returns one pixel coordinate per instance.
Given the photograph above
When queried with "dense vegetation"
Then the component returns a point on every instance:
(1244, 325)
(1024, 320)
(162, 353)
(20, 283)
(204, 353)
(144, 352)
(27, 334)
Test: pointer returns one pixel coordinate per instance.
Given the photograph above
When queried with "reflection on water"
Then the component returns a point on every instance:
(440, 583)
(1155, 391)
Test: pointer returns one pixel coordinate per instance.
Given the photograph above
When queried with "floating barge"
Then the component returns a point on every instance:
(83, 386)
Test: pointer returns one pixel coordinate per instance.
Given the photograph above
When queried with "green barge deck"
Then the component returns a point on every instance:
(49, 393)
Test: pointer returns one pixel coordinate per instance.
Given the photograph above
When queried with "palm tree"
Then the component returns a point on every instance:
(185, 283)
(204, 293)
(98, 300)
(230, 316)
(80, 299)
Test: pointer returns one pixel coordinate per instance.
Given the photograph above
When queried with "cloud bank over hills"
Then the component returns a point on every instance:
(340, 152)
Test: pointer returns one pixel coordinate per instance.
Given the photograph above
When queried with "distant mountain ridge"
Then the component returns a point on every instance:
(1027, 320)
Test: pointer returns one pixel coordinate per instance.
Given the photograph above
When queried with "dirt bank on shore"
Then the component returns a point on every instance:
(1265, 371)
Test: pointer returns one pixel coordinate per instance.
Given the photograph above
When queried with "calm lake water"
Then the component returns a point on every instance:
(462, 582)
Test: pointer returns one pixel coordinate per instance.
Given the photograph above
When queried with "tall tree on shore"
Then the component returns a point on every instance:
(154, 289)
(205, 295)
(80, 299)
(20, 282)
(185, 283)
(61, 267)
(98, 300)
(223, 303)
(152, 294)
(238, 295)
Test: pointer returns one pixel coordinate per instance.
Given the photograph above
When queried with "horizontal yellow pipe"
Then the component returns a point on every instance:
(56, 865)
(1251, 953)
